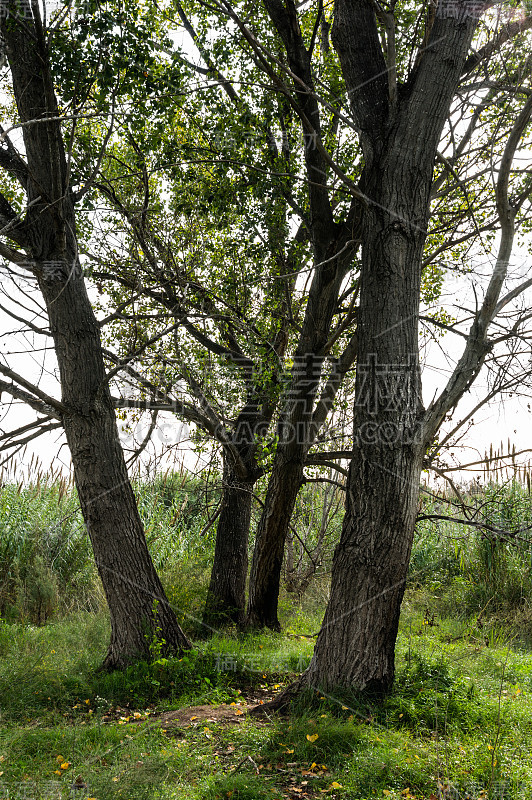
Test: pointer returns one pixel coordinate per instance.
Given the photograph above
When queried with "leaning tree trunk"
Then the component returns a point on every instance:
(138, 607)
(298, 427)
(356, 645)
(139, 610)
(226, 596)
(265, 578)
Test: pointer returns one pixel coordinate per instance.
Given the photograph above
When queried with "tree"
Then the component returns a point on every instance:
(43, 241)
(331, 209)
(410, 78)
(243, 332)
(400, 128)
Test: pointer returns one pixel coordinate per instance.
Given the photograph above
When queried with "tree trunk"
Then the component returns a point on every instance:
(226, 597)
(356, 645)
(140, 613)
(299, 425)
(265, 578)
(138, 606)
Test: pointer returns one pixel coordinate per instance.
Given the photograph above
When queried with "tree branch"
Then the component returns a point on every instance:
(477, 345)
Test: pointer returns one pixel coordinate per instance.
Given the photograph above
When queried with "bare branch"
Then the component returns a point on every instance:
(478, 345)
(510, 31)
(37, 405)
(55, 406)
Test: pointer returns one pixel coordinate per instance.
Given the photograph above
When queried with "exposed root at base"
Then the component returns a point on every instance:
(283, 700)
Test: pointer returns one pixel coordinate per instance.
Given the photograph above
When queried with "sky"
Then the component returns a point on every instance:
(502, 420)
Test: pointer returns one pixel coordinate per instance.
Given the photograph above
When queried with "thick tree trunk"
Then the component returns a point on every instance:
(226, 597)
(138, 607)
(356, 645)
(139, 611)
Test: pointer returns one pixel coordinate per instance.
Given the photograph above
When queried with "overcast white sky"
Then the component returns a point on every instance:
(502, 420)
(509, 419)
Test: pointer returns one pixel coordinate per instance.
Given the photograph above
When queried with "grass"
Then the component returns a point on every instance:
(457, 726)
(458, 723)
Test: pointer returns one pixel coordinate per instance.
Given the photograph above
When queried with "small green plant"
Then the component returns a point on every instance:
(156, 641)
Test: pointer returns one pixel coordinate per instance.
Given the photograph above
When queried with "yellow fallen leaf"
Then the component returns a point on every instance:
(191, 718)
(336, 785)
(65, 765)
(59, 758)
(57, 772)
(312, 737)
(289, 751)
(115, 779)
(345, 708)
(238, 711)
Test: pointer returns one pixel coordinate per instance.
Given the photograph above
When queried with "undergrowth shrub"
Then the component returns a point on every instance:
(478, 568)
(46, 562)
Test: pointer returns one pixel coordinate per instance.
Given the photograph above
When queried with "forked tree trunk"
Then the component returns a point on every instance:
(356, 645)
(226, 597)
(138, 607)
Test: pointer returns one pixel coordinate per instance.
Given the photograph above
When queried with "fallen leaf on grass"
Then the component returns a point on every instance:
(312, 737)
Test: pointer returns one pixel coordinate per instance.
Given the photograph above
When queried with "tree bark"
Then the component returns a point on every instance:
(356, 645)
(226, 596)
(265, 578)
(138, 607)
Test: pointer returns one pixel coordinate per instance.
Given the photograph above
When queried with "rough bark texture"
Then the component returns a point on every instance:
(138, 607)
(355, 647)
(226, 596)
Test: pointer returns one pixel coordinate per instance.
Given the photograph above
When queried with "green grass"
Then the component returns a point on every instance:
(460, 717)
(457, 726)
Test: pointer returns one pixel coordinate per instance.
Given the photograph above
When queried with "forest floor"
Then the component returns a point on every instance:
(458, 725)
